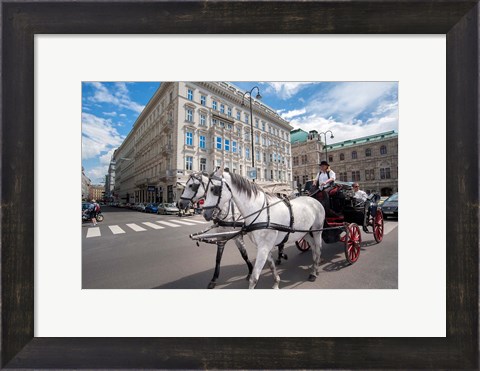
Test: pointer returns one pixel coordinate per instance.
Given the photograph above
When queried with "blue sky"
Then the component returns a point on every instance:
(349, 109)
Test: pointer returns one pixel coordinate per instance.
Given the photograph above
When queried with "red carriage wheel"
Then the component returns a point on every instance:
(302, 245)
(378, 226)
(352, 243)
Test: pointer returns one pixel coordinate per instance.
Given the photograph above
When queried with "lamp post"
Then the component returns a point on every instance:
(325, 136)
(258, 96)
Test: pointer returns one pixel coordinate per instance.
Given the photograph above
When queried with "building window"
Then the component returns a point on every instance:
(238, 115)
(330, 158)
(257, 155)
(246, 119)
(263, 126)
(203, 100)
(214, 122)
(222, 108)
(247, 153)
(368, 152)
(234, 146)
(203, 120)
(342, 157)
(257, 139)
(370, 174)
(264, 157)
(240, 151)
(227, 145)
(385, 173)
(203, 164)
(239, 131)
(190, 94)
(189, 115)
(355, 176)
(354, 155)
(383, 150)
(189, 139)
(219, 143)
(188, 163)
(203, 142)
(229, 111)
(214, 105)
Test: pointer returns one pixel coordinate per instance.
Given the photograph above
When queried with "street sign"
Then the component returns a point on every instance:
(151, 189)
(252, 174)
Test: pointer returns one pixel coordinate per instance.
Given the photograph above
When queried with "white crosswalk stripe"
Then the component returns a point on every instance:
(198, 221)
(168, 224)
(151, 225)
(388, 227)
(182, 222)
(116, 229)
(136, 228)
(93, 232)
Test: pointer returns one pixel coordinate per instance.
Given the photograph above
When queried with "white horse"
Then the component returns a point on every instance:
(269, 221)
(194, 191)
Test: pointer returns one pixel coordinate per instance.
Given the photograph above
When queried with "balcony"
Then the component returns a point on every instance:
(222, 116)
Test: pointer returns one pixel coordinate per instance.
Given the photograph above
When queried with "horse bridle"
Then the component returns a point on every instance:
(217, 191)
(195, 187)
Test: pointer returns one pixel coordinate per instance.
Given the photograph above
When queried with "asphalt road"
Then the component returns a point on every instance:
(133, 250)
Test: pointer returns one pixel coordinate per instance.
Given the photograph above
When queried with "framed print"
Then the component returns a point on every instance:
(457, 20)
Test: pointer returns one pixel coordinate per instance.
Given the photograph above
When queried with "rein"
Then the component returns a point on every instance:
(197, 186)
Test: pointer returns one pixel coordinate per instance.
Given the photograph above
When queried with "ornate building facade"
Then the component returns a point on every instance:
(198, 126)
(372, 161)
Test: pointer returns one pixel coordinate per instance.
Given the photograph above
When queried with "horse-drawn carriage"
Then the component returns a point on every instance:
(344, 218)
(240, 207)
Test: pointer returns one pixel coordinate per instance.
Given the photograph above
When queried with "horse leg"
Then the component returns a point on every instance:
(262, 255)
(243, 251)
(276, 277)
(220, 247)
(316, 242)
(281, 255)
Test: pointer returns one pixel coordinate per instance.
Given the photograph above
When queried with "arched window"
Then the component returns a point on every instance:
(383, 150)
(330, 158)
(368, 152)
(354, 155)
(342, 157)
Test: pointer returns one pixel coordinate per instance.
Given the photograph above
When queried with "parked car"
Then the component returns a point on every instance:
(151, 208)
(167, 208)
(382, 200)
(390, 206)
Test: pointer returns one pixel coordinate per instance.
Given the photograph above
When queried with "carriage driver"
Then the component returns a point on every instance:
(324, 180)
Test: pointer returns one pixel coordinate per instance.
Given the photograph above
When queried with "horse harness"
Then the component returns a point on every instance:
(195, 187)
(217, 191)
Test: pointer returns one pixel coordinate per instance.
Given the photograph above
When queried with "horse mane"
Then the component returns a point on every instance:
(244, 185)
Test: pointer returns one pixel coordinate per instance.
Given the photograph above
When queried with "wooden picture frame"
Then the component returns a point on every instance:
(458, 20)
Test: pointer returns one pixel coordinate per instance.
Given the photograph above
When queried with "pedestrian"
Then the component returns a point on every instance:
(324, 181)
(94, 210)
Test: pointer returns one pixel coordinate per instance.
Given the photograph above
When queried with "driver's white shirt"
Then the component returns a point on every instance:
(323, 177)
(361, 195)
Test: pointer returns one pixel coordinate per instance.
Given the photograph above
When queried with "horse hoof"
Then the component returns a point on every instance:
(312, 278)
(211, 285)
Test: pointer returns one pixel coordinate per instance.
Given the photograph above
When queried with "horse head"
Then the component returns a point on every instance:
(194, 190)
(217, 194)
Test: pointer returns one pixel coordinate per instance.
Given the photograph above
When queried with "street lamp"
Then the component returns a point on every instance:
(251, 120)
(325, 136)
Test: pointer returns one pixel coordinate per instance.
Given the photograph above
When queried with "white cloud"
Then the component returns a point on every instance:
(122, 115)
(286, 90)
(119, 96)
(97, 174)
(98, 136)
(290, 114)
(113, 114)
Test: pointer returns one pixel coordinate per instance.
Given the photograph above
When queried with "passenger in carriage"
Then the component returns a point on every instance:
(324, 181)
(362, 199)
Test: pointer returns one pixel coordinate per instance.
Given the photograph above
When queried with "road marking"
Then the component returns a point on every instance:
(198, 221)
(182, 222)
(116, 229)
(151, 225)
(93, 232)
(388, 227)
(169, 224)
(136, 228)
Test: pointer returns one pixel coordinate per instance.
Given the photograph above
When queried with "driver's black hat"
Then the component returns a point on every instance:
(323, 163)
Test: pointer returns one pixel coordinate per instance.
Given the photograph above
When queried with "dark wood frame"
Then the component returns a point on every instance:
(21, 20)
